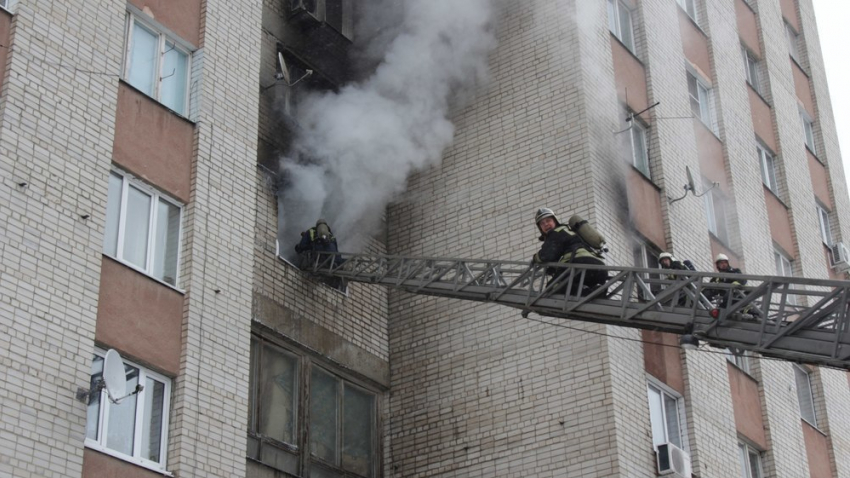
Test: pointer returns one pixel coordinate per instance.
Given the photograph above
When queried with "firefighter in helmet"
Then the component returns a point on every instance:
(317, 239)
(667, 261)
(722, 264)
(562, 243)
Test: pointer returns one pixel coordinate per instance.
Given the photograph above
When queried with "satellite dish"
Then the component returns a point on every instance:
(284, 71)
(690, 185)
(114, 376)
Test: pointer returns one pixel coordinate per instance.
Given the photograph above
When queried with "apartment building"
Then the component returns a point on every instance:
(141, 211)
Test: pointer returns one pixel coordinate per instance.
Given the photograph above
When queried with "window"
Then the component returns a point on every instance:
(793, 42)
(665, 414)
(752, 66)
(784, 268)
(825, 227)
(136, 429)
(620, 23)
(342, 417)
(809, 131)
(750, 461)
(4, 3)
(701, 100)
(640, 158)
(142, 228)
(646, 257)
(768, 168)
(157, 65)
(740, 358)
(715, 212)
(690, 7)
(804, 394)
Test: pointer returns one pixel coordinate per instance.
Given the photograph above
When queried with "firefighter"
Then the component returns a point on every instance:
(667, 261)
(317, 239)
(721, 295)
(562, 244)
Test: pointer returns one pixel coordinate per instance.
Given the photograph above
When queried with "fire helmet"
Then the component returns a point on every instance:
(721, 257)
(543, 213)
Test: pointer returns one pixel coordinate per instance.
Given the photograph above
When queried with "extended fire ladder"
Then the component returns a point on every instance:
(801, 320)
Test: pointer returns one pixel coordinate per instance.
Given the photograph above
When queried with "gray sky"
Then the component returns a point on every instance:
(833, 17)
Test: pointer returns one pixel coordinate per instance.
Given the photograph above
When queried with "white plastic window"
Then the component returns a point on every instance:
(715, 213)
(701, 101)
(825, 227)
(665, 414)
(751, 66)
(804, 395)
(750, 461)
(690, 7)
(136, 428)
(640, 158)
(808, 131)
(740, 358)
(157, 65)
(620, 23)
(767, 164)
(793, 42)
(142, 228)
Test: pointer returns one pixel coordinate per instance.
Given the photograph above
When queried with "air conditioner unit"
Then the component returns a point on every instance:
(673, 461)
(306, 10)
(840, 257)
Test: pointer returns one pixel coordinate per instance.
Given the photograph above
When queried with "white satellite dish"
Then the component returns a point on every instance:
(284, 70)
(690, 184)
(114, 376)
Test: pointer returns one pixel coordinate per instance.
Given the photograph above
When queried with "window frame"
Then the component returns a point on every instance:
(646, 257)
(793, 42)
(164, 36)
(799, 372)
(739, 358)
(714, 201)
(704, 99)
(808, 131)
(767, 165)
(640, 163)
(127, 181)
(663, 389)
(825, 225)
(103, 424)
(691, 9)
(745, 454)
(617, 7)
(752, 69)
(306, 364)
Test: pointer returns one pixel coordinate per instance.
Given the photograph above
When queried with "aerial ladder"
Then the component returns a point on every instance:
(795, 319)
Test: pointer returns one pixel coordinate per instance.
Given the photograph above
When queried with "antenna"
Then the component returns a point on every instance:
(688, 187)
(284, 72)
(114, 380)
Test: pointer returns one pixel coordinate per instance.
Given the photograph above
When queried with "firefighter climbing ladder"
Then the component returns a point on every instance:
(801, 320)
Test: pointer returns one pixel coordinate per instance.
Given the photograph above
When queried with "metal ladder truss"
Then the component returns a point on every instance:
(801, 320)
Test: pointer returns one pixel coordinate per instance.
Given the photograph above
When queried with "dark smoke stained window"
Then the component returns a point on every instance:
(142, 228)
(340, 418)
(136, 428)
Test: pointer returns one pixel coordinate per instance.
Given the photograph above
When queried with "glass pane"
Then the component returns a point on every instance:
(113, 211)
(167, 234)
(639, 149)
(154, 415)
(612, 17)
(804, 395)
(122, 417)
(143, 55)
(656, 417)
(252, 388)
(93, 410)
(705, 113)
(671, 412)
(175, 69)
(357, 434)
(323, 416)
(742, 457)
(278, 391)
(755, 468)
(136, 227)
(626, 27)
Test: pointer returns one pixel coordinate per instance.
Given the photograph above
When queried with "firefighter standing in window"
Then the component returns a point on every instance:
(720, 296)
(317, 239)
(667, 261)
(576, 243)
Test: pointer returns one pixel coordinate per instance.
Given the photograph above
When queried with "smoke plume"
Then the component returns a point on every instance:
(355, 148)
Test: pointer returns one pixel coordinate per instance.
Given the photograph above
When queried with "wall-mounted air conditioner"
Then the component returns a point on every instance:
(306, 10)
(840, 257)
(673, 461)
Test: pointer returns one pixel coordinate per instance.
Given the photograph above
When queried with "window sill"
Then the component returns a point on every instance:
(707, 127)
(758, 93)
(344, 293)
(632, 53)
(723, 244)
(776, 195)
(814, 427)
(747, 374)
(692, 20)
(802, 70)
(93, 445)
(814, 155)
(161, 105)
(645, 177)
(749, 6)
(140, 271)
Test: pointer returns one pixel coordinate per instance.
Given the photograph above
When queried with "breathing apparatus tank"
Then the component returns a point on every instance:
(587, 232)
(323, 232)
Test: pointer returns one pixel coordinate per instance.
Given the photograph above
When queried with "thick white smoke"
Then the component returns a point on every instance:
(356, 148)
